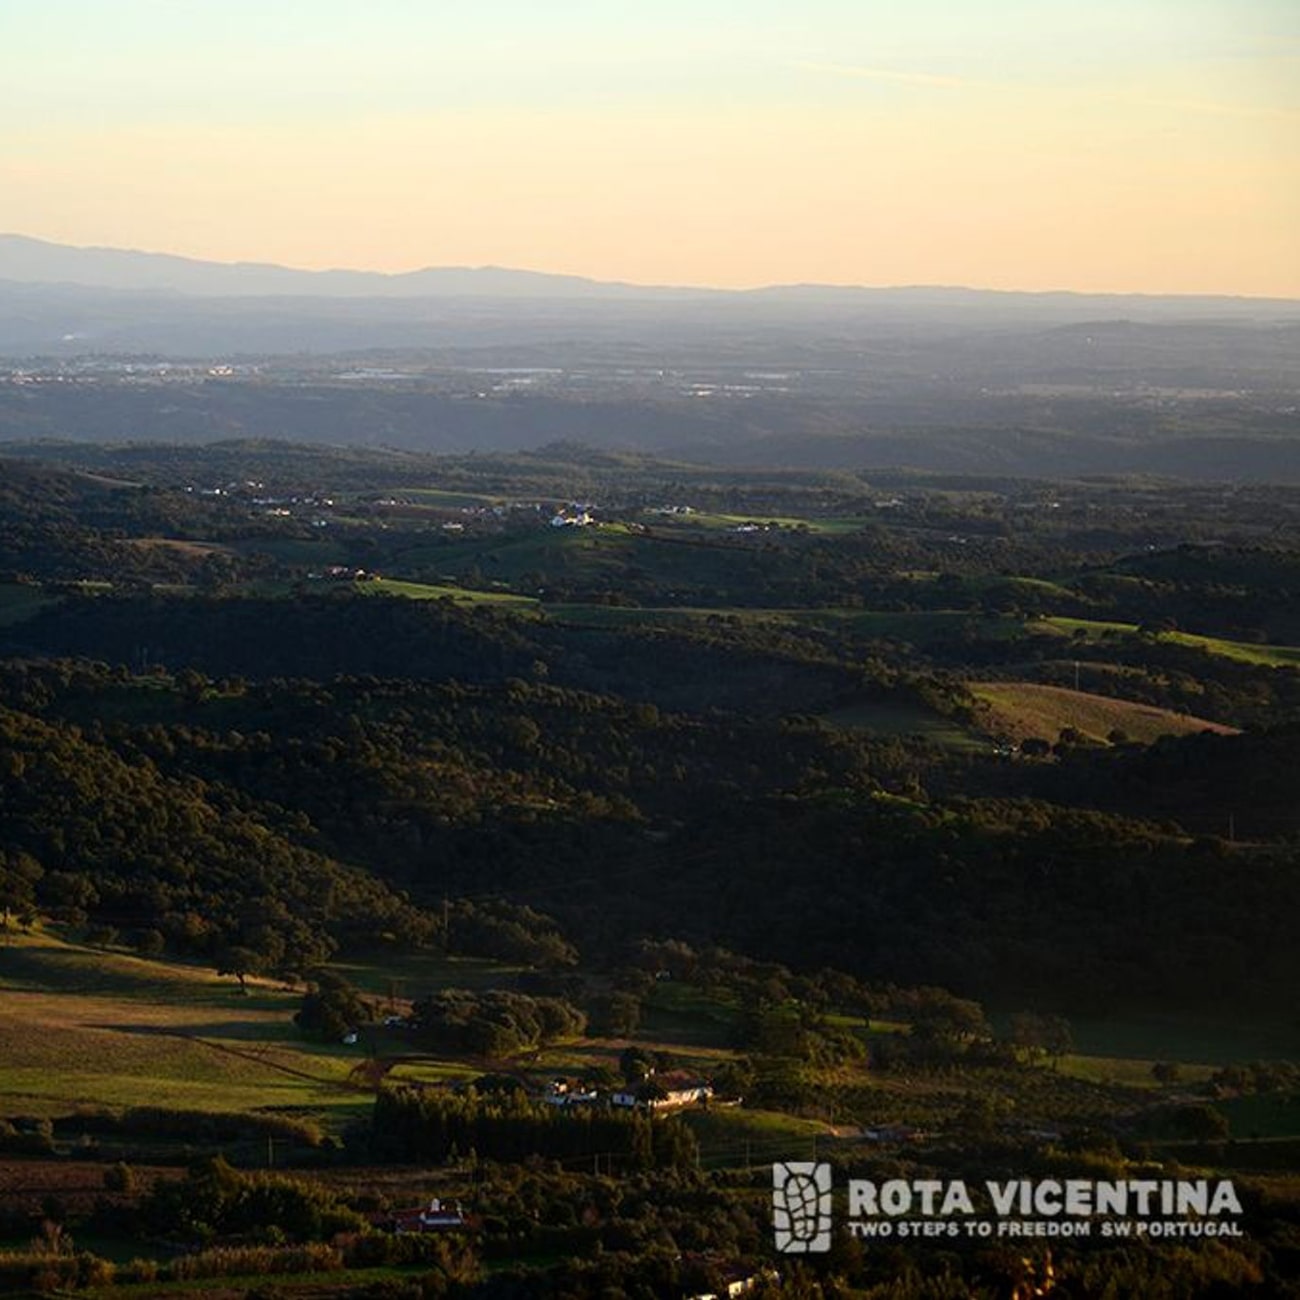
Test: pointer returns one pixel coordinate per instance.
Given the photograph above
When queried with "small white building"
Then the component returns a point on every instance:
(675, 1094)
(580, 519)
(560, 1092)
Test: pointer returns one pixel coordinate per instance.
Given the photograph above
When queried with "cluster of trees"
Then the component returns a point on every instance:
(88, 833)
(331, 1007)
(1016, 900)
(1038, 1035)
(214, 1200)
(495, 1023)
(504, 1125)
(504, 931)
(796, 1031)
(1207, 784)
(1267, 1077)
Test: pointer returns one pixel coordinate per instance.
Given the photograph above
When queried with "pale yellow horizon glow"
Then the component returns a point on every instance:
(1169, 174)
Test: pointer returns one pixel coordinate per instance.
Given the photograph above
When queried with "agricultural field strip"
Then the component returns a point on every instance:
(40, 1028)
(162, 1028)
(1280, 656)
(1030, 708)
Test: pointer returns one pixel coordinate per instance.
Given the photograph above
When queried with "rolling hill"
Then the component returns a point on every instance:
(1021, 710)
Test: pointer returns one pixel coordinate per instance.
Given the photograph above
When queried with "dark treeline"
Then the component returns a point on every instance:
(505, 1126)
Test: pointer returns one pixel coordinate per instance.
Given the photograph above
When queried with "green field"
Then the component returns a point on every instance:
(681, 1013)
(451, 500)
(425, 591)
(1274, 656)
(430, 1071)
(414, 974)
(738, 1138)
(83, 1026)
(897, 718)
(1122, 1050)
(714, 522)
(1132, 1071)
(919, 627)
(80, 1026)
(1187, 1040)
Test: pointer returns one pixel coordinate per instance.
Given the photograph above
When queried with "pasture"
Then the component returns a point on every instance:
(733, 1138)
(1021, 710)
(428, 591)
(85, 1027)
(714, 522)
(900, 718)
(1185, 1039)
(1274, 656)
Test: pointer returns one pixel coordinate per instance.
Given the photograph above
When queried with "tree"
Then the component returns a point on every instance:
(615, 1015)
(148, 943)
(241, 963)
(651, 1090)
(599, 1076)
(1027, 1032)
(331, 1007)
(636, 1065)
(1058, 1037)
(120, 1178)
(948, 1021)
(1199, 1123)
(101, 936)
(19, 875)
(1050, 1035)
(734, 1078)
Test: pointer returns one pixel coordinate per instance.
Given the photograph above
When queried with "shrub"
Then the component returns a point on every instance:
(120, 1178)
(230, 1261)
(138, 1270)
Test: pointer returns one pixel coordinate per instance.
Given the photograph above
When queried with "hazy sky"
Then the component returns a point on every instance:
(1148, 145)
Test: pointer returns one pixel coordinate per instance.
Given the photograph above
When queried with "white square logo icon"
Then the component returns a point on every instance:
(801, 1207)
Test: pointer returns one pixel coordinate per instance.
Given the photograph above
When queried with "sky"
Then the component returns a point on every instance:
(1097, 145)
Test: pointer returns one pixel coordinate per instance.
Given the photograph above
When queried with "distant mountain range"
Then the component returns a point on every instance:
(60, 301)
(24, 260)
(31, 261)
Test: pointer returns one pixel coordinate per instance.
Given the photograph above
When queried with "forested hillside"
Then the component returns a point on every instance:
(690, 725)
